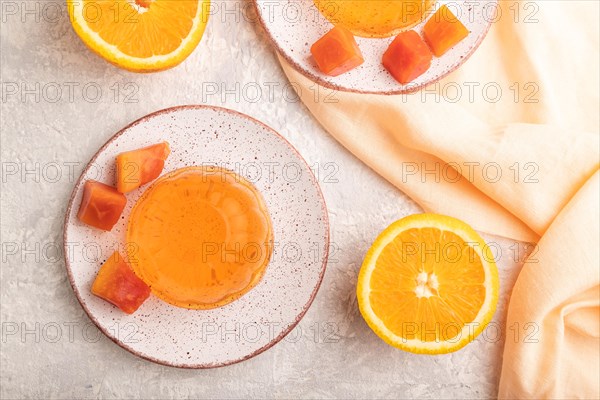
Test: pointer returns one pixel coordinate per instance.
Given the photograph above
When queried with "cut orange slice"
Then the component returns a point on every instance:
(140, 35)
(429, 284)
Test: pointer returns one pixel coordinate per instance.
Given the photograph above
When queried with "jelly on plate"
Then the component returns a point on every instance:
(200, 237)
(375, 18)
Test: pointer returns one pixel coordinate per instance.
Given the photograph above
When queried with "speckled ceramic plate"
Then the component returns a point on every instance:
(180, 337)
(294, 26)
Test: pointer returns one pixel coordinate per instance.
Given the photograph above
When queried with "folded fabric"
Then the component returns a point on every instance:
(522, 163)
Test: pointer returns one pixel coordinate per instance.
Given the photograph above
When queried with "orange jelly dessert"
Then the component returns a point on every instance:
(374, 18)
(200, 237)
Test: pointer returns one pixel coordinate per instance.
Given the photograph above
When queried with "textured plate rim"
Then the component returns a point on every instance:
(330, 85)
(273, 341)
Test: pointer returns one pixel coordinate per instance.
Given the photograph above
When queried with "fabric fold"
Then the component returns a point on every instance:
(555, 354)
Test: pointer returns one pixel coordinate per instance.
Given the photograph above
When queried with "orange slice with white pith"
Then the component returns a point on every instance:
(140, 35)
(428, 284)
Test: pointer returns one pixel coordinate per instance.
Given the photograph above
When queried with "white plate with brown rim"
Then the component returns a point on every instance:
(181, 337)
(293, 27)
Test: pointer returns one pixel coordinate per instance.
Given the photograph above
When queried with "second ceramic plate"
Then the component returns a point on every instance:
(293, 27)
(180, 337)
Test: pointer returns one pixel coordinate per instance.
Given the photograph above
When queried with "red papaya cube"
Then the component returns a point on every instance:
(138, 167)
(443, 31)
(407, 57)
(337, 52)
(101, 205)
(118, 284)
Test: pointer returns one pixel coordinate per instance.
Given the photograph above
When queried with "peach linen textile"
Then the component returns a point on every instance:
(529, 158)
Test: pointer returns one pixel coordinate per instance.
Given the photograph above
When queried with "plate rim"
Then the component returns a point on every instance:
(273, 341)
(329, 85)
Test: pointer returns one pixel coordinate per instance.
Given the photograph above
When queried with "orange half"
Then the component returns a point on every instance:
(140, 35)
(200, 237)
(429, 284)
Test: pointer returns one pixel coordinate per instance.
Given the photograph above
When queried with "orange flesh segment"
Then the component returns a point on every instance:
(454, 301)
(374, 18)
(202, 237)
(141, 28)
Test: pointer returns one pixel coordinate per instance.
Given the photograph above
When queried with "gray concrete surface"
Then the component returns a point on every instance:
(50, 349)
